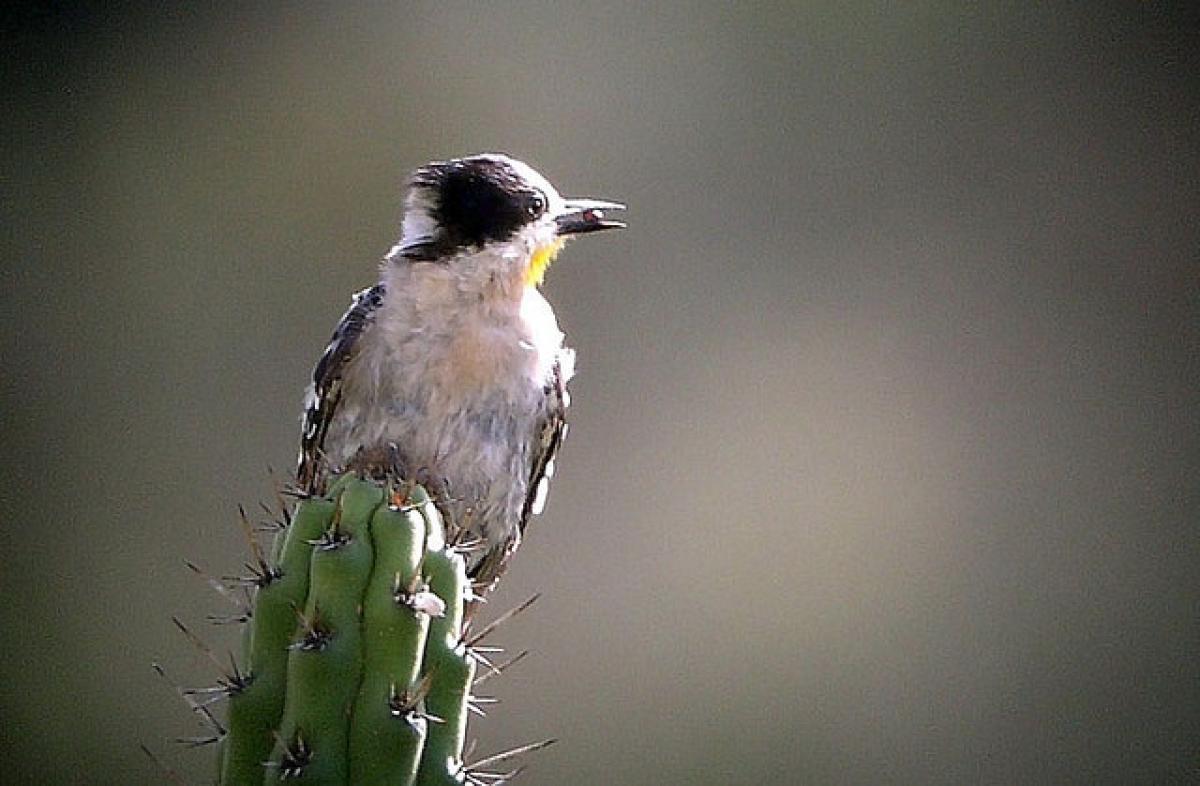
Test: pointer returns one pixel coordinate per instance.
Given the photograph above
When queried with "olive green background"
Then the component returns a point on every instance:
(883, 464)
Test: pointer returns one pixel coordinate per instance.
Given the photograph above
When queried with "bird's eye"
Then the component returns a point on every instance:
(536, 205)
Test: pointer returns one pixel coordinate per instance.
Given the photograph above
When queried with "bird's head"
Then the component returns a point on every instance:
(458, 209)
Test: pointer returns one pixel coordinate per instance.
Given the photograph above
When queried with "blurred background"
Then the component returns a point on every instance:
(883, 464)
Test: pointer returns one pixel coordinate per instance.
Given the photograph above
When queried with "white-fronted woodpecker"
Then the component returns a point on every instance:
(452, 371)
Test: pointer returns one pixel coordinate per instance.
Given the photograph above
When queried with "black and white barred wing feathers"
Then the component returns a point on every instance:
(322, 399)
(550, 431)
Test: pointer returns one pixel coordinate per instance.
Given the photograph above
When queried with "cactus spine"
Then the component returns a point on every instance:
(355, 672)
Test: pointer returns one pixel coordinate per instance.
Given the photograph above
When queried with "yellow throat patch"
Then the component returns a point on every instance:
(541, 259)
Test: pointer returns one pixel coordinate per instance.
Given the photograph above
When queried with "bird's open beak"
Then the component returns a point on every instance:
(586, 215)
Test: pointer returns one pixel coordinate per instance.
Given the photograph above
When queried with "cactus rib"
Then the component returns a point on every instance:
(387, 734)
(255, 709)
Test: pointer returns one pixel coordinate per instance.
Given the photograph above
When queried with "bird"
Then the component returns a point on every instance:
(452, 370)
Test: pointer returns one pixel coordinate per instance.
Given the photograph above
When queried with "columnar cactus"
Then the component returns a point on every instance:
(354, 669)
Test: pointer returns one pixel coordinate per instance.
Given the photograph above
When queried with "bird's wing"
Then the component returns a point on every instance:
(549, 433)
(322, 398)
(551, 430)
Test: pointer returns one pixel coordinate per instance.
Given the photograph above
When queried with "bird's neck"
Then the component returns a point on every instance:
(486, 284)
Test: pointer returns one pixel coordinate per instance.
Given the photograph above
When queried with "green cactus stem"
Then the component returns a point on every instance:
(354, 666)
(450, 669)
